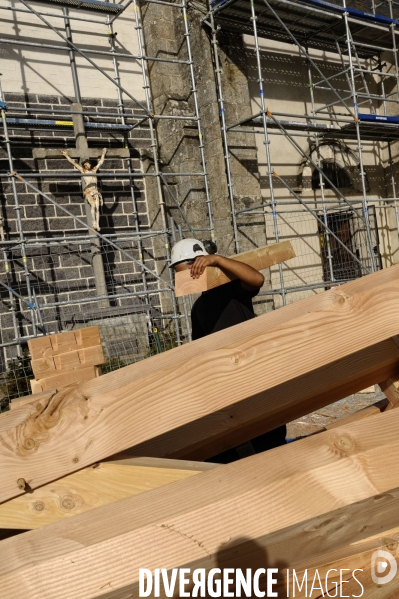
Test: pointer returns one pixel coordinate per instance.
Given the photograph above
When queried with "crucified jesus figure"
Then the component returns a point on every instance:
(90, 186)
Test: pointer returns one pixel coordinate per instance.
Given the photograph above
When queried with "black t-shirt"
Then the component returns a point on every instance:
(220, 308)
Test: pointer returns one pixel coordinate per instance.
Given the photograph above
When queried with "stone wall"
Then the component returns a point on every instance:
(63, 272)
(178, 142)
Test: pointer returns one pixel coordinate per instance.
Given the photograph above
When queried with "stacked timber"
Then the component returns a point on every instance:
(56, 357)
(325, 506)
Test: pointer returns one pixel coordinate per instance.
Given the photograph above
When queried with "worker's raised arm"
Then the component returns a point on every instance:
(75, 164)
(250, 278)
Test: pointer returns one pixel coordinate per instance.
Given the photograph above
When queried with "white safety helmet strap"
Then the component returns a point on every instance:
(187, 249)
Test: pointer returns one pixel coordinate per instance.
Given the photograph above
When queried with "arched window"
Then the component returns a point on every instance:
(335, 173)
(338, 163)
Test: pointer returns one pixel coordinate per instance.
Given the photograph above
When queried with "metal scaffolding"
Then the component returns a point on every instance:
(129, 308)
(346, 227)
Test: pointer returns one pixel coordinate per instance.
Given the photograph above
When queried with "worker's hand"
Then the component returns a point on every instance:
(201, 263)
(104, 151)
(64, 152)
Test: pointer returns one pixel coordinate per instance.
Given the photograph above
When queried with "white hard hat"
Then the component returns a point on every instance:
(187, 249)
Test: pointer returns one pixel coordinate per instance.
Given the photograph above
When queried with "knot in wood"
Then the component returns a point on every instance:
(38, 506)
(21, 482)
(390, 544)
(30, 443)
(68, 503)
(344, 443)
(236, 359)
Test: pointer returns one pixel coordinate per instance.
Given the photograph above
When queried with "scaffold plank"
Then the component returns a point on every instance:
(328, 490)
(21, 123)
(89, 5)
(313, 23)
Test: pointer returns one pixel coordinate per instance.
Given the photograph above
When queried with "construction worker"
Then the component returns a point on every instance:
(220, 308)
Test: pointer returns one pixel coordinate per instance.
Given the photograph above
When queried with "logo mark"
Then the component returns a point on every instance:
(383, 567)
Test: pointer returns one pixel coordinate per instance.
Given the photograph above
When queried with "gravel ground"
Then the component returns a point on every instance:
(314, 422)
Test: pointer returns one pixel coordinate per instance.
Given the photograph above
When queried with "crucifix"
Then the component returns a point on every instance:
(90, 185)
(84, 154)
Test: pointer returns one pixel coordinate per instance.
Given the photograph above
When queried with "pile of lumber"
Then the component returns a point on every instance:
(75, 466)
(58, 360)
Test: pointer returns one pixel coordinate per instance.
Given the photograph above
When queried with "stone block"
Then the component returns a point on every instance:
(41, 211)
(62, 224)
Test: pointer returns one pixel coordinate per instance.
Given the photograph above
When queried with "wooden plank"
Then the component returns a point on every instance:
(65, 379)
(377, 408)
(216, 342)
(356, 556)
(52, 345)
(92, 487)
(370, 389)
(259, 258)
(225, 397)
(390, 388)
(162, 463)
(43, 396)
(323, 493)
(285, 403)
(74, 360)
(35, 386)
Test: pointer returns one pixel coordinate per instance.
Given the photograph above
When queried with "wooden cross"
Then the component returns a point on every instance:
(82, 152)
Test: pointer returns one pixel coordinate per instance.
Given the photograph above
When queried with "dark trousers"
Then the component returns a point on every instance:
(269, 440)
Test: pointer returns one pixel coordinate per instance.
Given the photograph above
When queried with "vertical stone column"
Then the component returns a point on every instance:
(178, 142)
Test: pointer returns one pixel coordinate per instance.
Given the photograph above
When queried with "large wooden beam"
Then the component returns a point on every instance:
(259, 259)
(326, 568)
(199, 402)
(90, 488)
(199, 349)
(304, 500)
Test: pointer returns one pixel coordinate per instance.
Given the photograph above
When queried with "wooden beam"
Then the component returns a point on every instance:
(322, 493)
(356, 556)
(246, 331)
(65, 379)
(370, 389)
(222, 398)
(376, 408)
(390, 388)
(43, 396)
(69, 361)
(60, 343)
(259, 258)
(281, 404)
(92, 487)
